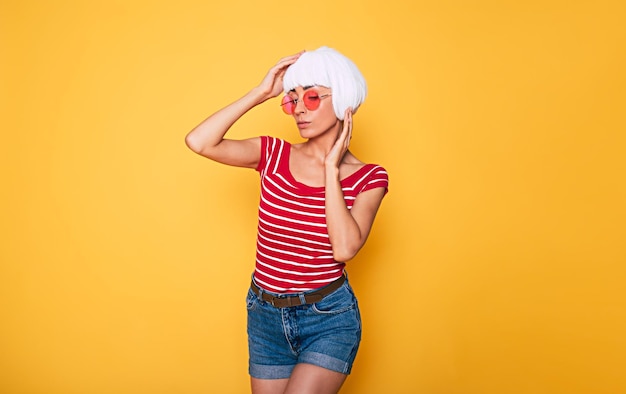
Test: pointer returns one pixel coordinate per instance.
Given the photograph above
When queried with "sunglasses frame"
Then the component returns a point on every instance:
(289, 104)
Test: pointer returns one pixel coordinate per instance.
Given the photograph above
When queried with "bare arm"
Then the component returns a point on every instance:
(207, 139)
(348, 229)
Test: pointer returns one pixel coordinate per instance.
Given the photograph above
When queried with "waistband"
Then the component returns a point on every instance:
(298, 299)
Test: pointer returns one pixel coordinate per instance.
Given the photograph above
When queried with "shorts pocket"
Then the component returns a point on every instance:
(251, 300)
(339, 301)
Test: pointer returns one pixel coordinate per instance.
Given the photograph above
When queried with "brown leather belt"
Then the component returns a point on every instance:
(294, 299)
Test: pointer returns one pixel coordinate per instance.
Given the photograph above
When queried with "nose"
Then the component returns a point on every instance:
(299, 108)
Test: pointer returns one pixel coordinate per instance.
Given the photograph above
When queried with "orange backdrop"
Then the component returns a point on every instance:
(496, 264)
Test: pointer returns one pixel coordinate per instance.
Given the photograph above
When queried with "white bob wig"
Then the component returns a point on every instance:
(327, 67)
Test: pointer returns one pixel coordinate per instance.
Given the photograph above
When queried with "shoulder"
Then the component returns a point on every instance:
(272, 149)
(271, 143)
(370, 169)
(374, 176)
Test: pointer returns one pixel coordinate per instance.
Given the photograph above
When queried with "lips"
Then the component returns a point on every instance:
(302, 124)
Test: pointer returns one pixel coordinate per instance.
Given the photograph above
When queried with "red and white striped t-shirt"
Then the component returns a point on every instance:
(293, 248)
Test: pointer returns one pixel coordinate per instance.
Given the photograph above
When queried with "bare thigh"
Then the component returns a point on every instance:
(305, 379)
(268, 386)
(309, 379)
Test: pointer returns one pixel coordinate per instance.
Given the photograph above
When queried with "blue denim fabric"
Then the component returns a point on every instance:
(326, 334)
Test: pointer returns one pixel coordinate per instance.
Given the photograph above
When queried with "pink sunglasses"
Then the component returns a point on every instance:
(311, 100)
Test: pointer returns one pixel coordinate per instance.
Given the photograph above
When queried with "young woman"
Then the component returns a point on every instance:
(317, 206)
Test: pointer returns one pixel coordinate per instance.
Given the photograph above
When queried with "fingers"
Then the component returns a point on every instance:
(281, 67)
(347, 123)
(343, 139)
(293, 57)
(288, 60)
(271, 85)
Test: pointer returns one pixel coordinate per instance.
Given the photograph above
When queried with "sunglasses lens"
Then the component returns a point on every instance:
(288, 105)
(311, 100)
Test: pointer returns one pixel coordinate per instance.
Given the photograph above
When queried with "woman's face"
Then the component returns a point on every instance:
(312, 121)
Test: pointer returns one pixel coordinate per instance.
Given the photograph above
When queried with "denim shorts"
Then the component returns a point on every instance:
(326, 334)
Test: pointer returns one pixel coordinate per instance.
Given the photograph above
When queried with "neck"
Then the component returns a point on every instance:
(322, 144)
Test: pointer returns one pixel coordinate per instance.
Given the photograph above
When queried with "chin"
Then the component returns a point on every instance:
(308, 133)
(306, 136)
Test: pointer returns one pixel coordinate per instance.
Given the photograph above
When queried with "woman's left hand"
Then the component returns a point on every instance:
(339, 149)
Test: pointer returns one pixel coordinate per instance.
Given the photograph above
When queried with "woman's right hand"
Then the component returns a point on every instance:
(272, 85)
(207, 139)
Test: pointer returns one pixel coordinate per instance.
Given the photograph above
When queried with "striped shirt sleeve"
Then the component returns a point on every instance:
(265, 153)
(378, 177)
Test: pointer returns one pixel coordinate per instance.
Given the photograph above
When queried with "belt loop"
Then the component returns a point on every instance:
(302, 299)
(261, 291)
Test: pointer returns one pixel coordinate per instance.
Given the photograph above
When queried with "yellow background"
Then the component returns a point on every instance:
(497, 261)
